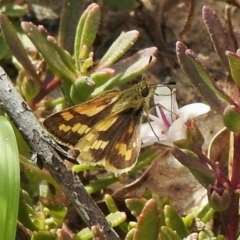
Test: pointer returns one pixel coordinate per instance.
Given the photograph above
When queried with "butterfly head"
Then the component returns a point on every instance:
(145, 89)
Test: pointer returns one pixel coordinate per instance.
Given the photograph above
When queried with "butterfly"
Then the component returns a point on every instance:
(106, 129)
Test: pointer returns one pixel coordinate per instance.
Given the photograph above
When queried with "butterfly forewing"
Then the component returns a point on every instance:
(69, 125)
(106, 129)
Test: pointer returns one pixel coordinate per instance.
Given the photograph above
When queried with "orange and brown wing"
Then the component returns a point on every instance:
(69, 125)
(114, 143)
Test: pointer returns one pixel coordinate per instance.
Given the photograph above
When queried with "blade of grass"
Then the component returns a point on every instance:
(9, 180)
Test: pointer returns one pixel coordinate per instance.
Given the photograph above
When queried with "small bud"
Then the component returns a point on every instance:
(86, 65)
(219, 197)
(82, 89)
(29, 87)
(193, 137)
(231, 118)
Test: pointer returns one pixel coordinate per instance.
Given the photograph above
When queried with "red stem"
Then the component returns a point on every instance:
(231, 216)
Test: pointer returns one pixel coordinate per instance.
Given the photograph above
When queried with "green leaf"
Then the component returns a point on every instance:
(30, 87)
(9, 180)
(205, 76)
(206, 213)
(114, 218)
(198, 168)
(63, 54)
(25, 210)
(206, 234)
(118, 48)
(100, 184)
(231, 119)
(13, 10)
(23, 147)
(188, 62)
(219, 36)
(112, 207)
(148, 222)
(70, 15)
(128, 69)
(102, 76)
(16, 46)
(81, 89)
(175, 222)
(130, 234)
(56, 211)
(34, 175)
(43, 235)
(135, 205)
(54, 62)
(234, 62)
(169, 234)
(4, 50)
(86, 32)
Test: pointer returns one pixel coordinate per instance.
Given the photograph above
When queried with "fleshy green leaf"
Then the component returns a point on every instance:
(197, 168)
(25, 210)
(169, 234)
(30, 87)
(56, 211)
(231, 119)
(100, 184)
(220, 39)
(234, 62)
(114, 218)
(12, 10)
(16, 46)
(205, 234)
(203, 73)
(43, 235)
(130, 234)
(148, 222)
(64, 55)
(175, 222)
(102, 76)
(128, 69)
(112, 207)
(197, 76)
(70, 15)
(206, 213)
(118, 48)
(135, 205)
(81, 89)
(86, 32)
(39, 39)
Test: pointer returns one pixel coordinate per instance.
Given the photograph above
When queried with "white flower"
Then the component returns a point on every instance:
(170, 124)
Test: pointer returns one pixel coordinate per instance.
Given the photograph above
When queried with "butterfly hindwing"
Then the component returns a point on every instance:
(118, 147)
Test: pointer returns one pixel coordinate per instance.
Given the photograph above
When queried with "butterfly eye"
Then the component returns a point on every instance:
(145, 92)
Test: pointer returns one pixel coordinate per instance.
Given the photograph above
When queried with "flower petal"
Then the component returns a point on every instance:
(177, 130)
(193, 110)
(151, 132)
(166, 99)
